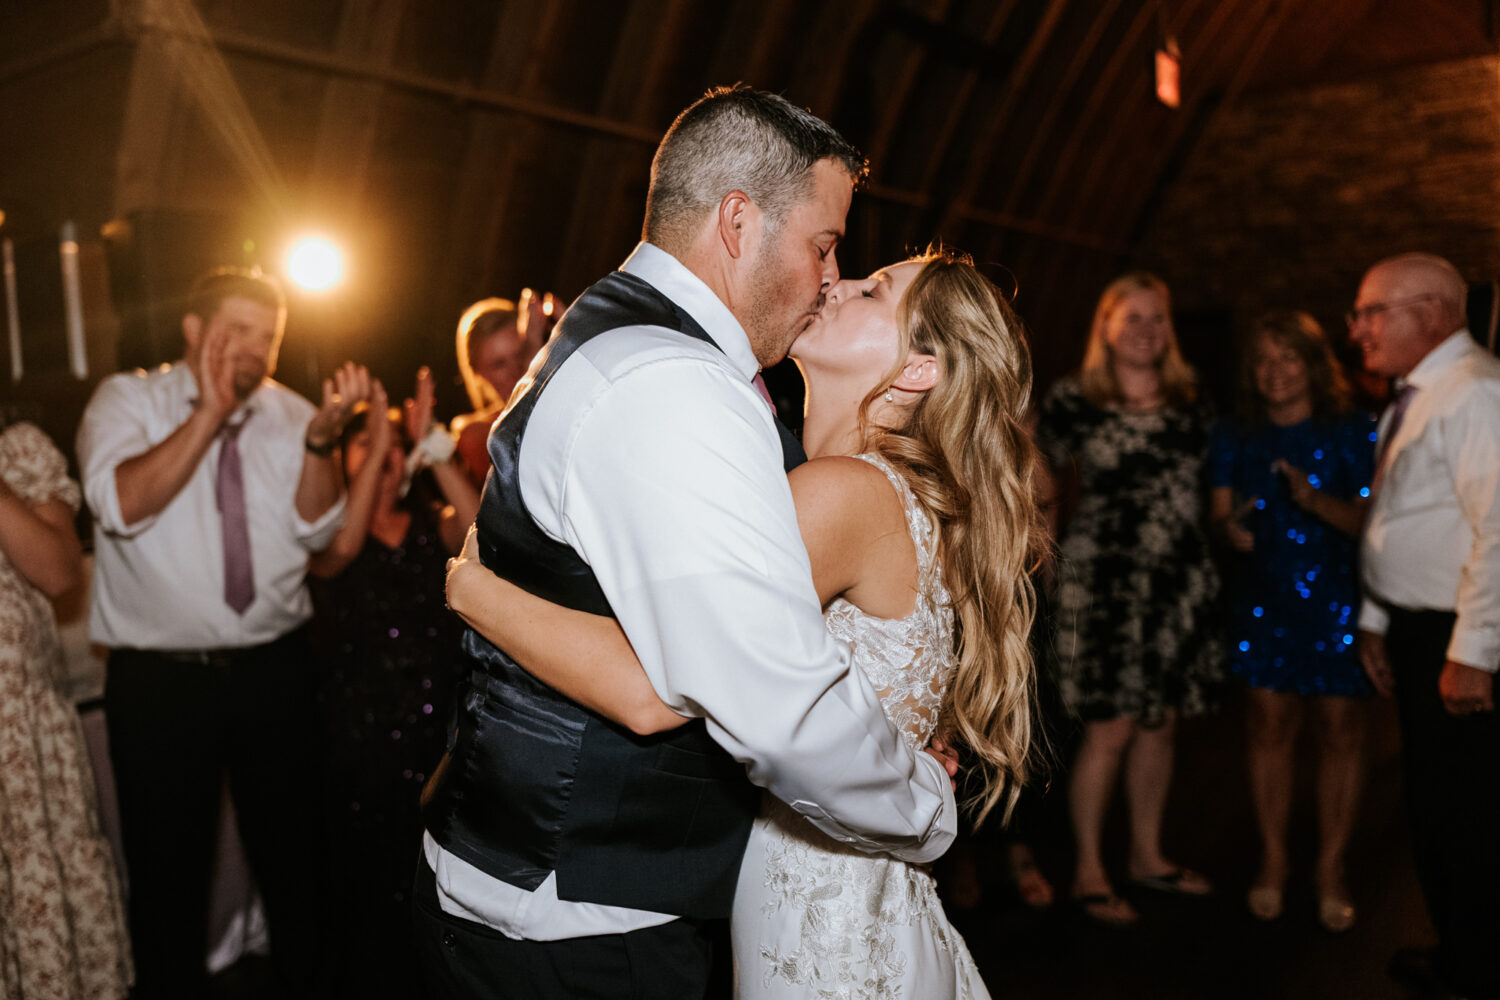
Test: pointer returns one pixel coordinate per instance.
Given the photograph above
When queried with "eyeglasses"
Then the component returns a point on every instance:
(1354, 316)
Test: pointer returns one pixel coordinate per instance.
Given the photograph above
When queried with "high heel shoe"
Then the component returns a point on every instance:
(1336, 913)
(1265, 901)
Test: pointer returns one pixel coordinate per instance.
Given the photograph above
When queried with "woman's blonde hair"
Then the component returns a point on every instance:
(1179, 383)
(969, 460)
(481, 321)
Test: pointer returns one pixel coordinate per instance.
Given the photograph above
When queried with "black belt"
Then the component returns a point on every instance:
(221, 658)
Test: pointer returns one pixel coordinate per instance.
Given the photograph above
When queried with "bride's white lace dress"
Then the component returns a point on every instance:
(815, 918)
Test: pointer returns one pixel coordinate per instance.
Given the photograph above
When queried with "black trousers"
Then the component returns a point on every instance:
(1452, 773)
(464, 960)
(178, 725)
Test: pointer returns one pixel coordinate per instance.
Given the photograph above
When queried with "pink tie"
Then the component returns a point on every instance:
(1383, 449)
(229, 487)
(760, 387)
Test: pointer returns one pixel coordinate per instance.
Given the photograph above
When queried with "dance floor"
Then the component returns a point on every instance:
(1191, 949)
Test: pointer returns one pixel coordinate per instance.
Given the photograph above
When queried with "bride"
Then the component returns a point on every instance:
(917, 513)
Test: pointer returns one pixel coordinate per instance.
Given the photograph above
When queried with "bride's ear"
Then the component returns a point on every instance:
(920, 373)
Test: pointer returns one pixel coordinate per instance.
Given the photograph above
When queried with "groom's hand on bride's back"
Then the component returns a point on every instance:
(947, 756)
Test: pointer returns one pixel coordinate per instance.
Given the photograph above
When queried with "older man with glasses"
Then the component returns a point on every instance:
(1430, 628)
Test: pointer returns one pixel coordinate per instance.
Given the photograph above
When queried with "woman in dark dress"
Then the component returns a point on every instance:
(388, 645)
(1136, 584)
(1290, 482)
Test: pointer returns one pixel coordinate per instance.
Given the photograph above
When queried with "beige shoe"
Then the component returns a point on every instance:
(1336, 913)
(1265, 901)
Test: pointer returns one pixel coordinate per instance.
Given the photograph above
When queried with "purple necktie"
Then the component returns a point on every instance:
(1392, 426)
(239, 577)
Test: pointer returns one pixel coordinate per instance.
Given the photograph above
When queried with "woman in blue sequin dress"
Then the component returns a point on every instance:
(1289, 487)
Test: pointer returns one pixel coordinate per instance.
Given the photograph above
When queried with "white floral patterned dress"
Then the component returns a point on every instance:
(816, 918)
(62, 928)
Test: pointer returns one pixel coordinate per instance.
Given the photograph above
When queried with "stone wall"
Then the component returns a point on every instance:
(1291, 195)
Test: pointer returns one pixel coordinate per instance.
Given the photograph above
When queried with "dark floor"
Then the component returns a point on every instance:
(1190, 948)
(1212, 948)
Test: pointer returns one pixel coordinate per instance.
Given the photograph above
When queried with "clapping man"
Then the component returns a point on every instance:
(210, 484)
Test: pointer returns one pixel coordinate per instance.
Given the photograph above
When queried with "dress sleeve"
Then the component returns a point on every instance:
(35, 469)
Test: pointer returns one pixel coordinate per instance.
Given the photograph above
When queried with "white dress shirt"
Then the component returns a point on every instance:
(651, 455)
(159, 583)
(1433, 537)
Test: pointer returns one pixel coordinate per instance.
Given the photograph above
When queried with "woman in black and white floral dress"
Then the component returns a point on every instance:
(1137, 589)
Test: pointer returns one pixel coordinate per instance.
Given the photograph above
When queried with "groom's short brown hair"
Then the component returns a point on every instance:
(736, 138)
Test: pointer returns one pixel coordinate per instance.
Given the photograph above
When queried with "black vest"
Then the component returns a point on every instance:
(534, 782)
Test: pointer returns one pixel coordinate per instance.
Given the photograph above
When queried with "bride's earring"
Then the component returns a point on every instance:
(888, 397)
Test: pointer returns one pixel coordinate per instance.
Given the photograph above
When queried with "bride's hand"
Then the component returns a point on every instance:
(461, 570)
(946, 756)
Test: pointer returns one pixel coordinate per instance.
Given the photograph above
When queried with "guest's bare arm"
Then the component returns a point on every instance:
(451, 479)
(40, 542)
(1347, 516)
(146, 483)
(322, 481)
(359, 510)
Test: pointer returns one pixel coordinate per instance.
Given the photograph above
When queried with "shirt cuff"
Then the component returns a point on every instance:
(1476, 649)
(944, 829)
(1373, 617)
(318, 535)
(104, 501)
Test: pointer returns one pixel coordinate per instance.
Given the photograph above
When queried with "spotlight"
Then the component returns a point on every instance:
(315, 264)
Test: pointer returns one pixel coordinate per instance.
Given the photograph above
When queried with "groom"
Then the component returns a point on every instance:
(638, 474)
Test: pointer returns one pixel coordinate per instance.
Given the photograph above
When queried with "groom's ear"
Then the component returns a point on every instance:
(737, 217)
(920, 373)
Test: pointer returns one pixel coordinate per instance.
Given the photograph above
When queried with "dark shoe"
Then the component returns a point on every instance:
(1107, 910)
(1177, 882)
(1414, 968)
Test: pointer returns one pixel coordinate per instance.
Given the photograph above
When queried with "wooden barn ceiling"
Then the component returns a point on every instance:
(469, 147)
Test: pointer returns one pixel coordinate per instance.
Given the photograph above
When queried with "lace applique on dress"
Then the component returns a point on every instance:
(840, 923)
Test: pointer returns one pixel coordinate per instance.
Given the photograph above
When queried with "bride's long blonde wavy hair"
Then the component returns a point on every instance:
(969, 460)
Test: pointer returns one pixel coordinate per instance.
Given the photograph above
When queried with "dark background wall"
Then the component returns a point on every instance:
(1293, 193)
(462, 148)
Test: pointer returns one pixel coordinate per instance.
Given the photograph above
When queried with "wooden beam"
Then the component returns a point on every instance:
(986, 143)
(1196, 66)
(1039, 140)
(1270, 23)
(1104, 88)
(350, 122)
(419, 83)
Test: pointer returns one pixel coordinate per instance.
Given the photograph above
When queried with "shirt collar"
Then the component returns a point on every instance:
(671, 277)
(1440, 359)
